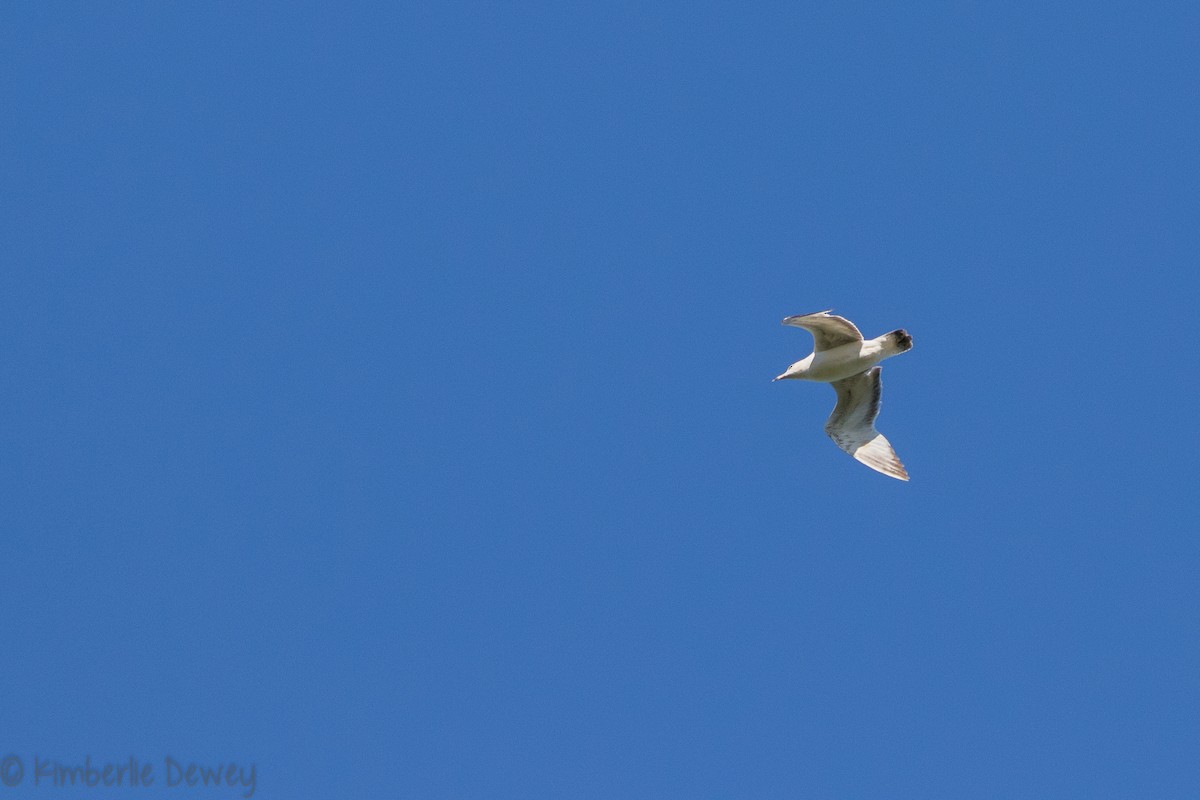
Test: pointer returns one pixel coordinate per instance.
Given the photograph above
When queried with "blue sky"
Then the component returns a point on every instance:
(387, 398)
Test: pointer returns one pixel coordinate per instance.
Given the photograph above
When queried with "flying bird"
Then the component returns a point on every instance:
(843, 358)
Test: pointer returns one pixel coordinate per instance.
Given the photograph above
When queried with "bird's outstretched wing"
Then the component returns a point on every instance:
(828, 330)
(852, 423)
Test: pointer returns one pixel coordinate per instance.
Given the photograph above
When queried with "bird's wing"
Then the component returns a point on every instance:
(829, 330)
(852, 423)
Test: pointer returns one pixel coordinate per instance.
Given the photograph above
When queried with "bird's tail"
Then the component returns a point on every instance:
(898, 340)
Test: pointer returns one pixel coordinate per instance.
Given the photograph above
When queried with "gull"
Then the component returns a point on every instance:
(843, 358)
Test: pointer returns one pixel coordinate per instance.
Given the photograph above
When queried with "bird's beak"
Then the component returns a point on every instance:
(779, 377)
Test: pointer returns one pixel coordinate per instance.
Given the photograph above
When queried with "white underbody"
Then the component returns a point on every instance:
(838, 363)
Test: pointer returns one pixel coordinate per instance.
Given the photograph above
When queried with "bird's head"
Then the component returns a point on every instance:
(794, 371)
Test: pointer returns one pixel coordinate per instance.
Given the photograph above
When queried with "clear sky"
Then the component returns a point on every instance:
(386, 398)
